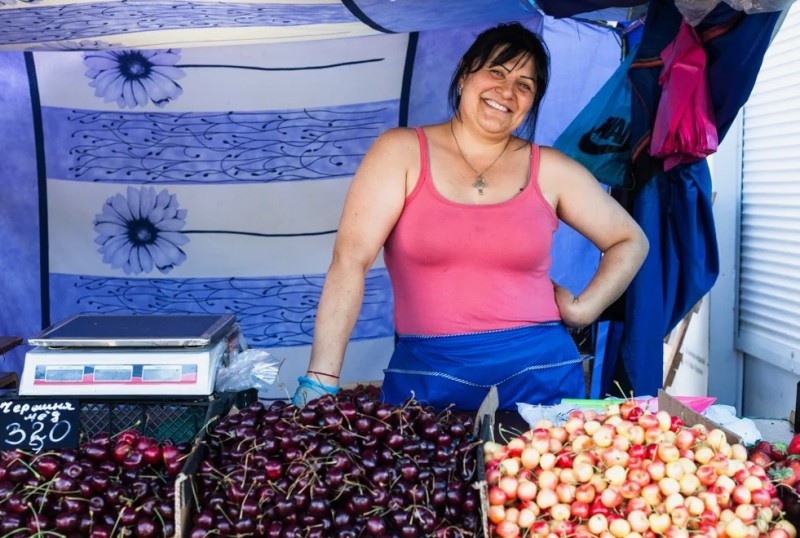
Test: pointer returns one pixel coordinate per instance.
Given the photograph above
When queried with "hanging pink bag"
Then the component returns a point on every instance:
(684, 129)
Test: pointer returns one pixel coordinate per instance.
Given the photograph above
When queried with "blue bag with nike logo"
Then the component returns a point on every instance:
(599, 136)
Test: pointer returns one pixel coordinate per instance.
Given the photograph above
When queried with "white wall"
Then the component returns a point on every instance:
(769, 391)
(724, 362)
(691, 376)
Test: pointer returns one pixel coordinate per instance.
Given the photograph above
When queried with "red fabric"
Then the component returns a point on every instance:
(684, 130)
(460, 268)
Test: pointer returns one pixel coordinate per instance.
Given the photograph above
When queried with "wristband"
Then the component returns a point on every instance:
(311, 384)
(323, 373)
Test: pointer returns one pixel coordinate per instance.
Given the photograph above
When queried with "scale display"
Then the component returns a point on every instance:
(60, 374)
(123, 374)
(152, 373)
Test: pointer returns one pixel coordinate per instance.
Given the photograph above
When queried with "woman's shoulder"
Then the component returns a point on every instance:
(395, 142)
(398, 135)
(395, 150)
(430, 132)
(553, 159)
(552, 153)
(560, 174)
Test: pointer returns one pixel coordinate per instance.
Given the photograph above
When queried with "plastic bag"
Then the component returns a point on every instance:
(725, 416)
(759, 6)
(684, 130)
(599, 136)
(251, 368)
(694, 11)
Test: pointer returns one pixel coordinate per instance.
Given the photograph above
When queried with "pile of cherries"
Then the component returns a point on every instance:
(345, 465)
(121, 485)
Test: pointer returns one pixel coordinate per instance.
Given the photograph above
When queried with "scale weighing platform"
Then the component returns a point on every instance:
(129, 355)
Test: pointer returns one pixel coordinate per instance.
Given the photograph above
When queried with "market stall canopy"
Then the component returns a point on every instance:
(91, 24)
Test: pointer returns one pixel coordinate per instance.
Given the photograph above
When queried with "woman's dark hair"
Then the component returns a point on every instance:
(510, 40)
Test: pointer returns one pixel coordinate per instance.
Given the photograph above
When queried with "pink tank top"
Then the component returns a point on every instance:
(461, 268)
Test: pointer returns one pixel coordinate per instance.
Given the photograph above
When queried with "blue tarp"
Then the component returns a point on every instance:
(569, 8)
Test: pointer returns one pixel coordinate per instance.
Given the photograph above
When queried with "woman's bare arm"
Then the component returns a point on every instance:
(371, 209)
(582, 203)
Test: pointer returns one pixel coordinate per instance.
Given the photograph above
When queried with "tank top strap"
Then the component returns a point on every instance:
(423, 148)
(534, 163)
(534, 182)
(424, 165)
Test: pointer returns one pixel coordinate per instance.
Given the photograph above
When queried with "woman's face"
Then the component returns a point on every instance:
(499, 97)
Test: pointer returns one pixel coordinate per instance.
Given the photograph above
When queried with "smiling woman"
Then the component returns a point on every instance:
(518, 70)
(465, 212)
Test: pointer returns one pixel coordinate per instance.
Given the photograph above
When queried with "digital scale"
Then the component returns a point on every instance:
(129, 355)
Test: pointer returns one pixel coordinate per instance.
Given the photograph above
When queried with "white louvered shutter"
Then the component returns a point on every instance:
(769, 273)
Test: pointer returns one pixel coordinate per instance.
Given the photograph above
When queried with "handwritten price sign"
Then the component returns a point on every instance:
(38, 424)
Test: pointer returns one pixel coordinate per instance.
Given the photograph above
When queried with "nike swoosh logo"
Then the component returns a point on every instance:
(611, 137)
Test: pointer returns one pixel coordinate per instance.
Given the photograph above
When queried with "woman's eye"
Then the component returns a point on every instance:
(525, 87)
(496, 72)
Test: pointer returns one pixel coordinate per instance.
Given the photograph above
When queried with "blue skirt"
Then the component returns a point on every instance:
(535, 364)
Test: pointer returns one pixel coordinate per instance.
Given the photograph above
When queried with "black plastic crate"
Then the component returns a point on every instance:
(176, 419)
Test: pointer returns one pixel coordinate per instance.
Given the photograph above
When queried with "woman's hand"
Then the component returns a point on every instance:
(308, 390)
(573, 313)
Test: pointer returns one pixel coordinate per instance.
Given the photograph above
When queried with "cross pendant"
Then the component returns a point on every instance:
(479, 184)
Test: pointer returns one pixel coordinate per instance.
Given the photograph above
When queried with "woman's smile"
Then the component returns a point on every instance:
(495, 105)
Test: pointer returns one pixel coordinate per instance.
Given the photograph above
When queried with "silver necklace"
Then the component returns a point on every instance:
(480, 181)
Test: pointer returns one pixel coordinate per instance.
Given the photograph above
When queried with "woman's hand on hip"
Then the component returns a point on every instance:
(573, 313)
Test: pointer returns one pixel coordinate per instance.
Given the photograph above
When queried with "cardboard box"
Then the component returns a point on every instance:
(690, 418)
(184, 493)
(185, 501)
(487, 418)
(484, 430)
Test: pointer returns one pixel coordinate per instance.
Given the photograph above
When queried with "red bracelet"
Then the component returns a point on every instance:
(323, 373)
